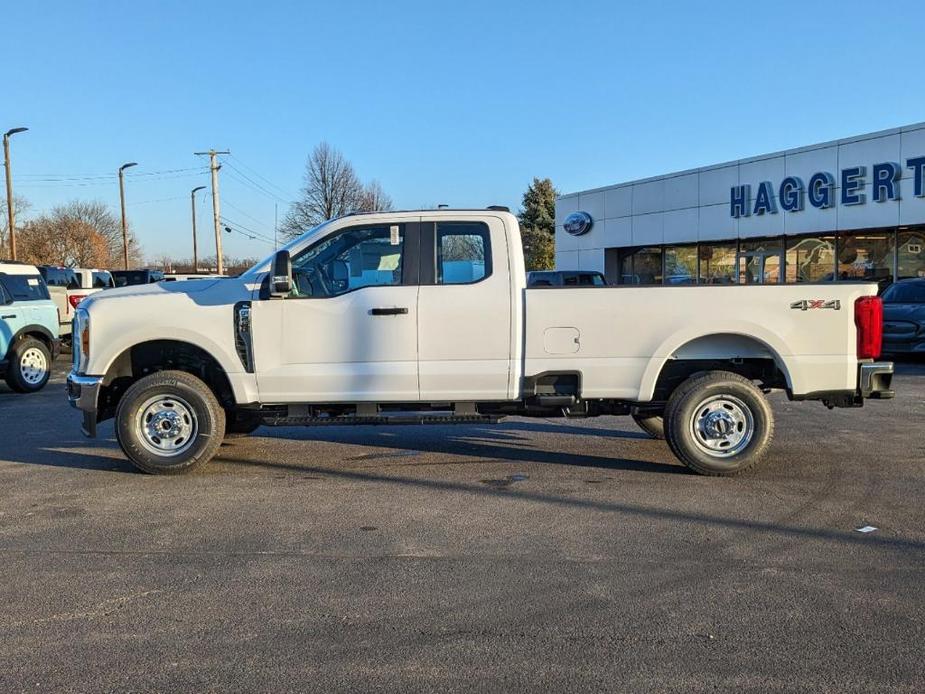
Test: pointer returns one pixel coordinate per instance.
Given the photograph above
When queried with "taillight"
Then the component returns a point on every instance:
(76, 299)
(868, 317)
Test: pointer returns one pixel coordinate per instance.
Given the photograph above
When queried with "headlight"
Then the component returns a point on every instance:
(80, 340)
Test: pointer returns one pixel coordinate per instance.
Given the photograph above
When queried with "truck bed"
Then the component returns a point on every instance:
(611, 334)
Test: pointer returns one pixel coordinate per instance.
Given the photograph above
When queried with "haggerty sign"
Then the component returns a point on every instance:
(792, 193)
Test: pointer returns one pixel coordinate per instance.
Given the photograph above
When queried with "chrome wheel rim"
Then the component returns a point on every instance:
(722, 426)
(33, 366)
(166, 425)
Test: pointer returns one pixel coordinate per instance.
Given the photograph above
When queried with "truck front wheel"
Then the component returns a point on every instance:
(169, 423)
(718, 423)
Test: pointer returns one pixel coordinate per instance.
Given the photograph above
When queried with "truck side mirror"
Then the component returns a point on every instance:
(281, 275)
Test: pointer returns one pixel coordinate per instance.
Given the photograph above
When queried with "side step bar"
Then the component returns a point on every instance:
(403, 418)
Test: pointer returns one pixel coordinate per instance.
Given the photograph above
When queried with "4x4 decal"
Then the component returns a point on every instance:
(807, 304)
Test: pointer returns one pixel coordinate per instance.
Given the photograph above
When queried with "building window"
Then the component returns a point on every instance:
(717, 263)
(810, 259)
(760, 261)
(641, 266)
(681, 264)
(866, 256)
(910, 247)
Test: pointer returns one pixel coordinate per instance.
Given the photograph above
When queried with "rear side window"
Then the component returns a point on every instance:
(102, 280)
(5, 298)
(463, 252)
(24, 287)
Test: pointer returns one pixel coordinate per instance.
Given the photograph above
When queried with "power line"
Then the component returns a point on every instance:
(56, 178)
(263, 178)
(232, 223)
(106, 182)
(251, 217)
(253, 184)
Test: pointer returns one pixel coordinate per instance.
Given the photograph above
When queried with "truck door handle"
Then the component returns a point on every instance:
(9, 315)
(389, 311)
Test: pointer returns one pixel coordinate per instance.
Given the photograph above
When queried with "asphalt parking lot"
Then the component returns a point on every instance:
(537, 554)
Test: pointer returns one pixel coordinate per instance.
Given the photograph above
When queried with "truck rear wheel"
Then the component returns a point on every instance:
(652, 424)
(30, 366)
(169, 423)
(718, 423)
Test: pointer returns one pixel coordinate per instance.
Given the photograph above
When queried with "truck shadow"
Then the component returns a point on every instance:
(505, 442)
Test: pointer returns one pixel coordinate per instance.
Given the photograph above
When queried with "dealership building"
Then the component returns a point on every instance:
(852, 209)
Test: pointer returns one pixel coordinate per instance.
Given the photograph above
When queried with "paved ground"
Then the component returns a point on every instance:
(542, 555)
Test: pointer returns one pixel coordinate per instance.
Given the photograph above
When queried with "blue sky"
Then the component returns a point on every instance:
(459, 103)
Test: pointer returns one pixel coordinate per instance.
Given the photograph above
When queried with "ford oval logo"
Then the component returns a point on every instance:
(578, 223)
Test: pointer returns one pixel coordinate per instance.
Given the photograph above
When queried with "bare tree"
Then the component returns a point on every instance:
(78, 234)
(374, 198)
(331, 189)
(21, 207)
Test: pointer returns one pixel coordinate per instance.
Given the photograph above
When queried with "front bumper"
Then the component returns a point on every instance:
(875, 380)
(83, 393)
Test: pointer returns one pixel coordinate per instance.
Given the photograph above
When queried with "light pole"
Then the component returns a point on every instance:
(122, 200)
(10, 207)
(192, 196)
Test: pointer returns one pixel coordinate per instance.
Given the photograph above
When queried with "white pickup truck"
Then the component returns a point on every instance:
(424, 317)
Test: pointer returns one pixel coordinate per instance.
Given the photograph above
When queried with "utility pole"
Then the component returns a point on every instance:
(10, 206)
(122, 201)
(192, 196)
(214, 166)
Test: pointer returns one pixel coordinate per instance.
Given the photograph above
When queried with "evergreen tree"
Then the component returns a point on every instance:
(538, 224)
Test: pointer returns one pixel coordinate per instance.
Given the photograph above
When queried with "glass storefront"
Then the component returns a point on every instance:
(717, 263)
(810, 259)
(910, 246)
(681, 264)
(866, 256)
(877, 255)
(642, 266)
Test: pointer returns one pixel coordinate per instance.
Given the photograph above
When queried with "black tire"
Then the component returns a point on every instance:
(30, 366)
(193, 421)
(718, 423)
(652, 424)
(241, 423)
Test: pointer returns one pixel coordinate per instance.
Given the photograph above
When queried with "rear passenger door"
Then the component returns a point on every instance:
(464, 311)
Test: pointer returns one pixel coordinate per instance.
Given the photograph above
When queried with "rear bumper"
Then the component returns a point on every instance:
(83, 393)
(875, 380)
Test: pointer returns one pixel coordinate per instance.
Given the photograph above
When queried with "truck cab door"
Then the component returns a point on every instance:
(464, 310)
(348, 331)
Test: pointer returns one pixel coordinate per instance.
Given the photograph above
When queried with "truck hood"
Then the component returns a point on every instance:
(206, 291)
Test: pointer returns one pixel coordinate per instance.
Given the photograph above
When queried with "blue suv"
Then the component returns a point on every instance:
(28, 328)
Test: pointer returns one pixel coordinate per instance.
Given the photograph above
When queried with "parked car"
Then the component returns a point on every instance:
(358, 321)
(565, 278)
(94, 278)
(60, 281)
(28, 328)
(179, 277)
(130, 278)
(904, 317)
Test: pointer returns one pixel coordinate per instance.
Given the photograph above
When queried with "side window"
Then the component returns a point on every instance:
(73, 281)
(5, 297)
(463, 252)
(102, 280)
(350, 259)
(25, 287)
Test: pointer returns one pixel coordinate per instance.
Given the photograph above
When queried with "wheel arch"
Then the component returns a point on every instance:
(738, 351)
(144, 358)
(39, 332)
